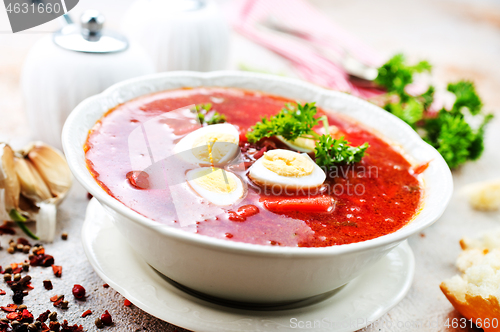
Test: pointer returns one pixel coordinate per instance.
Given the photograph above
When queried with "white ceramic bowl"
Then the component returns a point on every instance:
(247, 272)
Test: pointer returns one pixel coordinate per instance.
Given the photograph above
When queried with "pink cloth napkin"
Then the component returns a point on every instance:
(309, 63)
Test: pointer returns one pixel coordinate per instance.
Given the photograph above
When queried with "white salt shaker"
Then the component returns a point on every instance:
(180, 34)
(76, 62)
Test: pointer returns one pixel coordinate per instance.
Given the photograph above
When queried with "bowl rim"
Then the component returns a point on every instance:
(71, 145)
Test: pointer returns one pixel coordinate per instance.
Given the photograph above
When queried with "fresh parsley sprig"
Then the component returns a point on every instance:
(296, 121)
(206, 115)
(449, 131)
(330, 151)
(291, 123)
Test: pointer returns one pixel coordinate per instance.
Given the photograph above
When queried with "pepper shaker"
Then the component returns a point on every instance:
(74, 63)
(180, 34)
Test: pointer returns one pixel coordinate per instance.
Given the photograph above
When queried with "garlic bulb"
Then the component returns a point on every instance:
(32, 185)
(52, 167)
(9, 183)
(33, 182)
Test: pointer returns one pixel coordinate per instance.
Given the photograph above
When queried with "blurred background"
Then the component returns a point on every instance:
(460, 38)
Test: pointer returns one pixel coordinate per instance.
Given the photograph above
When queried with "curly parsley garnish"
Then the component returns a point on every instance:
(449, 131)
(291, 123)
(208, 116)
(330, 151)
(297, 121)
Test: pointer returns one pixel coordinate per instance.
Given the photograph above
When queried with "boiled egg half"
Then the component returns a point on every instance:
(211, 145)
(216, 185)
(287, 169)
(307, 145)
(300, 144)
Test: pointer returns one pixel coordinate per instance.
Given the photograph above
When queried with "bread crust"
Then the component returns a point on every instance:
(475, 307)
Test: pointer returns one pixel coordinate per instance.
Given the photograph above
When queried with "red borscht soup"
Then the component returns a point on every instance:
(356, 202)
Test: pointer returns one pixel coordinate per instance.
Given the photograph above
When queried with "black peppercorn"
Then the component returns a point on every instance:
(18, 297)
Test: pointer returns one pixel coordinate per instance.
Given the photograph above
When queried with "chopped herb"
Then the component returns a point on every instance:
(330, 151)
(454, 138)
(410, 112)
(449, 131)
(298, 121)
(216, 118)
(291, 123)
(395, 75)
(467, 97)
(208, 116)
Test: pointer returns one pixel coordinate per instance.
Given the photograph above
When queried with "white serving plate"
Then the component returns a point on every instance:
(361, 302)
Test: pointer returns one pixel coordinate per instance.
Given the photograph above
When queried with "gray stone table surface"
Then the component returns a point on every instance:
(461, 38)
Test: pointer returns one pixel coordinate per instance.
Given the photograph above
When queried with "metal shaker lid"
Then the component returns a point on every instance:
(89, 37)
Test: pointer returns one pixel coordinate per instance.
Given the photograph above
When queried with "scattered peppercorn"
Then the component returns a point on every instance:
(58, 301)
(43, 316)
(98, 323)
(86, 313)
(23, 241)
(105, 286)
(78, 292)
(27, 316)
(106, 318)
(47, 284)
(64, 236)
(54, 326)
(18, 297)
(19, 319)
(38, 250)
(13, 315)
(53, 316)
(57, 270)
(10, 307)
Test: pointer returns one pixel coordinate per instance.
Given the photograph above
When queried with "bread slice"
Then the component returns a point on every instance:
(484, 196)
(469, 258)
(489, 240)
(476, 293)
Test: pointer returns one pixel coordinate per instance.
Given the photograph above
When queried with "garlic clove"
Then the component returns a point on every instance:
(52, 167)
(46, 222)
(8, 178)
(32, 185)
